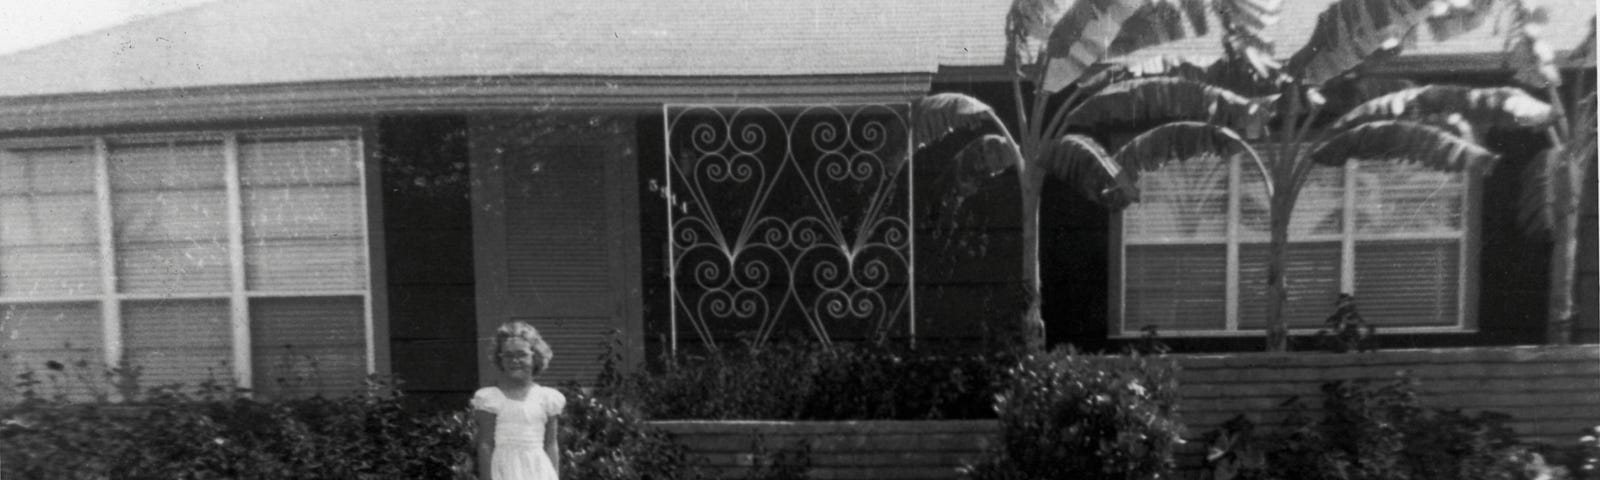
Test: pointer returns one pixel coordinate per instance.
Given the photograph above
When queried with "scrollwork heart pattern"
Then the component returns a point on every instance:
(793, 218)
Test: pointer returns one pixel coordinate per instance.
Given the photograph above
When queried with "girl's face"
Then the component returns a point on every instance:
(516, 358)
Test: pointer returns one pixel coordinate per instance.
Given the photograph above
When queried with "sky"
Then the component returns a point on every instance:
(30, 23)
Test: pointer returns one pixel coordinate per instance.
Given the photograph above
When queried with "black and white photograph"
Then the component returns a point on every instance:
(799, 239)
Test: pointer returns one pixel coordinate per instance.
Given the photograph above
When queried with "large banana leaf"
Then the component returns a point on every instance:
(989, 155)
(1161, 100)
(1481, 107)
(1583, 55)
(1540, 178)
(1243, 21)
(1081, 162)
(1181, 141)
(934, 116)
(1401, 141)
(1086, 33)
(1349, 32)
(1527, 53)
(1028, 26)
(1458, 17)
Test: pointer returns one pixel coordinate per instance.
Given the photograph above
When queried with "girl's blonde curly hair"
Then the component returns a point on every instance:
(521, 330)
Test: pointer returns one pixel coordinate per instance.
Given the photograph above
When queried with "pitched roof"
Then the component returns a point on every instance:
(277, 42)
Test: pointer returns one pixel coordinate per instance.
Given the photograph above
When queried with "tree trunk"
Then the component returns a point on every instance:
(1277, 283)
(1564, 253)
(1028, 333)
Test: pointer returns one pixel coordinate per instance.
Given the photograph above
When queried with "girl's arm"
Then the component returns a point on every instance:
(485, 441)
(552, 441)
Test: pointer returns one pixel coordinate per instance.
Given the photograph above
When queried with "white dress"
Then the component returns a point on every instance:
(519, 431)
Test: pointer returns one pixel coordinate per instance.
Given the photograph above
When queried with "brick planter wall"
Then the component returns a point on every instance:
(843, 450)
(1550, 392)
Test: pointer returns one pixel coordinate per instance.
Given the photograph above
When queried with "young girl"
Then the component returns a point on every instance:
(517, 419)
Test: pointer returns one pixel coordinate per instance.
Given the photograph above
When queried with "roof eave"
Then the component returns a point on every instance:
(521, 95)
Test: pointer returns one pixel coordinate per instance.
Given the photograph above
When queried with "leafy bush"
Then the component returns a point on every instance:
(1067, 415)
(603, 437)
(803, 381)
(1376, 432)
(172, 434)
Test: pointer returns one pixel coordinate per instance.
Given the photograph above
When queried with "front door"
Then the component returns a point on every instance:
(556, 238)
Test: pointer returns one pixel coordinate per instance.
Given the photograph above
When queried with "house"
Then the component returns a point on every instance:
(291, 194)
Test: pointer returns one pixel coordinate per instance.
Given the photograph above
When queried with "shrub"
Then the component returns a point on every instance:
(1067, 415)
(603, 437)
(1376, 432)
(172, 434)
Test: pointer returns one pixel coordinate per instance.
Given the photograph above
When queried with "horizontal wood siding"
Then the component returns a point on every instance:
(1550, 392)
(841, 450)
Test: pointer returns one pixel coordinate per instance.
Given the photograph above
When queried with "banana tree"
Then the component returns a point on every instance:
(1429, 125)
(1055, 52)
(1554, 184)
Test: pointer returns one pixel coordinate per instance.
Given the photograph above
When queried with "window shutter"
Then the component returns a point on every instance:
(178, 341)
(49, 245)
(304, 225)
(303, 346)
(169, 203)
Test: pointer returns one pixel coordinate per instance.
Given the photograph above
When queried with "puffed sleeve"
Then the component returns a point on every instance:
(554, 401)
(487, 399)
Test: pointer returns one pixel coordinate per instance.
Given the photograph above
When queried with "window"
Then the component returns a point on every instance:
(197, 256)
(1193, 252)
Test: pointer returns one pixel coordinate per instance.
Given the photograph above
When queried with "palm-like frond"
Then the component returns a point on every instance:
(1400, 141)
(1346, 92)
(1351, 31)
(1083, 163)
(934, 116)
(1527, 53)
(1480, 107)
(1161, 100)
(1536, 210)
(1159, 22)
(1028, 26)
(1243, 21)
(1181, 141)
(1583, 55)
(989, 155)
(1458, 18)
(1086, 33)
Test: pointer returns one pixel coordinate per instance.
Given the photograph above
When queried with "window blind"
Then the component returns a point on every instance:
(48, 223)
(1312, 278)
(302, 209)
(1185, 201)
(169, 203)
(33, 334)
(301, 346)
(178, 341)
(1176, 287)
(304, 225)
(1400, 229)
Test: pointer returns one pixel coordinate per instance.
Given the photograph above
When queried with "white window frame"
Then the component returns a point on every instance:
(238, 296)
(1467, 293)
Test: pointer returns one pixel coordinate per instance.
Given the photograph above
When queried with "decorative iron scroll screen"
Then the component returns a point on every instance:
(789, 221)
